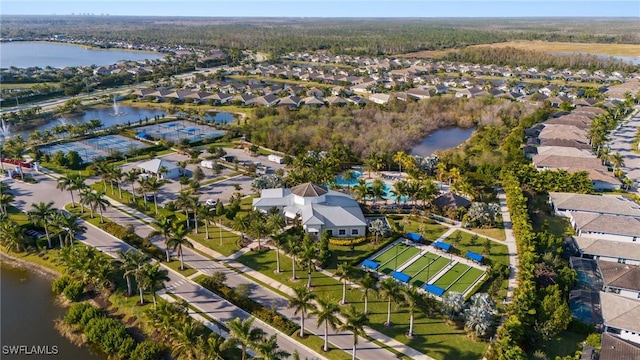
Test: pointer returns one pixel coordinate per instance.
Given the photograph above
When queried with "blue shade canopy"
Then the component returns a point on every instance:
(370, 264)
(414, 237)
(441, 245)
(401, 276)
(475, 257)
(435, 290)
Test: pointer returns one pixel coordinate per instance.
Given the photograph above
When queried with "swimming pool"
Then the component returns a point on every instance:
(342, 182)
(388, 195)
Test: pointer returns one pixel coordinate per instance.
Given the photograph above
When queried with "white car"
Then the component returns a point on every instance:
(211, 202)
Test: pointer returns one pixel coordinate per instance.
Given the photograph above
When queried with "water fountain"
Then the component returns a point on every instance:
(4, 130)
(116, 108)
(63, 120)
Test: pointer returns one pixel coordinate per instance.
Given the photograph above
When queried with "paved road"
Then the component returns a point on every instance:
(621, 141)
(209, 303)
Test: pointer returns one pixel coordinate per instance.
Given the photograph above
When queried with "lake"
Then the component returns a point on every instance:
(126, 115)
(42, 54)
(441, 140)
(28, 312)
(221, 117)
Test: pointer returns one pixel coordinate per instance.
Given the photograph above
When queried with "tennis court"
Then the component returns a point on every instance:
(99, 147)
(395, 257)
(180, 129)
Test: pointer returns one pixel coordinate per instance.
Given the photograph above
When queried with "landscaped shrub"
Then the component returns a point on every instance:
(347, 242)
(110, 335)
(58, 285)
(90, 314)
(76, 312)
(73, 291)
(146, 350)
(133, 239)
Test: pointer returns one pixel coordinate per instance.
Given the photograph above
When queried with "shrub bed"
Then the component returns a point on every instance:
(347, 242)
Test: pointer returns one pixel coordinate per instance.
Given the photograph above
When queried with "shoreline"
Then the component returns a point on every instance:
(11, 260)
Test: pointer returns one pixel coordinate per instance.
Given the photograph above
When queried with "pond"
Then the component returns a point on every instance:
(125, 115)
(41, 54)
(442, 139)
(28, 312)
(221, 117)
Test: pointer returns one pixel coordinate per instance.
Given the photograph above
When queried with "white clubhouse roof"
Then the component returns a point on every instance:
(154, 165)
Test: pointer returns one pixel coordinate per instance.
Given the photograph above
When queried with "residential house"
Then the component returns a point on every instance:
(606, 250)
(621, 279)
(620, 316)
(606, 227)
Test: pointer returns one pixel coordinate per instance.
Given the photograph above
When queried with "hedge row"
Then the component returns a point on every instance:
(263, 313)
(347, 242)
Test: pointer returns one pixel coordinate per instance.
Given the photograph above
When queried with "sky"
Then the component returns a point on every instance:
(327, 8)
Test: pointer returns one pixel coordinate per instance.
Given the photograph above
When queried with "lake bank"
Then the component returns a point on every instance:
(442, 139)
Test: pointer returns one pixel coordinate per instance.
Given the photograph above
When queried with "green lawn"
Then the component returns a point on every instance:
(495, 233)
(226, 247)
(397, 261)
(422, 278)
(434, 336)
(566, 343)
(175, 265)
(428, 228)
(341, 254)
(497, 253)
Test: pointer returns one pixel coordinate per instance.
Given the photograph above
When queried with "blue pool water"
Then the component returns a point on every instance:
(342, 182)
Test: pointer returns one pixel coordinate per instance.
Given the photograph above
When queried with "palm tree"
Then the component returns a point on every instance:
(617, 160)
(257, 227)
(130, 262)
(71, 224)
(412, 299)
(480, 316)
(308, 256)
(344, 272)
(453, 303)
(5, 199)
(152, 277)
(368, 283)
(399, 157)
(241, 332)
(241, 223)
(293, 245)
(361, 191)
(268, 349)
(206, 214)
(100, 202)
(143, 188)
(41, 214)
(12, 236)
(355, 321)
(86, 198)
(101, 168)
(377, 189)
(186, 335)
(327, 314)
(275, 224)
(378, 228)
(179, 239)
(349, 176)
(390, 290)
(166, 230)
(210, 347)
(302, 303)
(71, 182)
(117, 175)
(184, 202)
(153, 186)
(131, 177)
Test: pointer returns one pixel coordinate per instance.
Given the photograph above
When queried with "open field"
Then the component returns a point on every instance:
(567, 47)
(548, 46)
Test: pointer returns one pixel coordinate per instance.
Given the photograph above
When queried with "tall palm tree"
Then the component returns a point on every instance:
(361, 191)
(165, 226)
(70, 182)
(41, 214)
(130, 262)
(117, 175)
(268, 349)
(151, 277)
(131, 177)
(179, 239)
(71, 224)
(368, 283)
(355, 321)
(308, 254)
(241, 223)
(412, 299)
(344, 272)
(12, 236)
(257, 227)
(153, 186)
(327, 314)
(377, 189)
(617, 160)
(206, 214)
(99, 202)
(5, 199)
(186, 335)
(101, 168)
(210, 347)
(242, 333)
(143, 188)
(184, 202)
(302, 303)
(348, 176)
(293, 246)
(390, 290)
(399, 157)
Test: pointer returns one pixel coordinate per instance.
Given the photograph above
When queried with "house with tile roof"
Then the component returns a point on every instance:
(319, 209)
(620, 316)
(621, 279)
(606, 250)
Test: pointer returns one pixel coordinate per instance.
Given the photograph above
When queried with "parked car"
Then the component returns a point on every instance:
(211, 202)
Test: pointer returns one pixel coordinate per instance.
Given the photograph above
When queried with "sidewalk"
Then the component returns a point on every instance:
(511, 245)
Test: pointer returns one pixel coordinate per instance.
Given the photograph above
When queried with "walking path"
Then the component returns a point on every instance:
(621, 141)
(511, 245)
(204, 300)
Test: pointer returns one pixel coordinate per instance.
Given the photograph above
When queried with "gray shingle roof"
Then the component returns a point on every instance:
(608, 224)
(608, 248)
(604, 204)
(620, 312)
(620, 276)
(614, 348)
(308, 190)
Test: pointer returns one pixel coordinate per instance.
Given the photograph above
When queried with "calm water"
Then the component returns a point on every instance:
(43, 54)
(28, 311)
(441, 140)
(127, 115)
(221, 117)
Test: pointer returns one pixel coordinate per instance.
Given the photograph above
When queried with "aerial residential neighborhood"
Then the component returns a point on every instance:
(182, 186)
